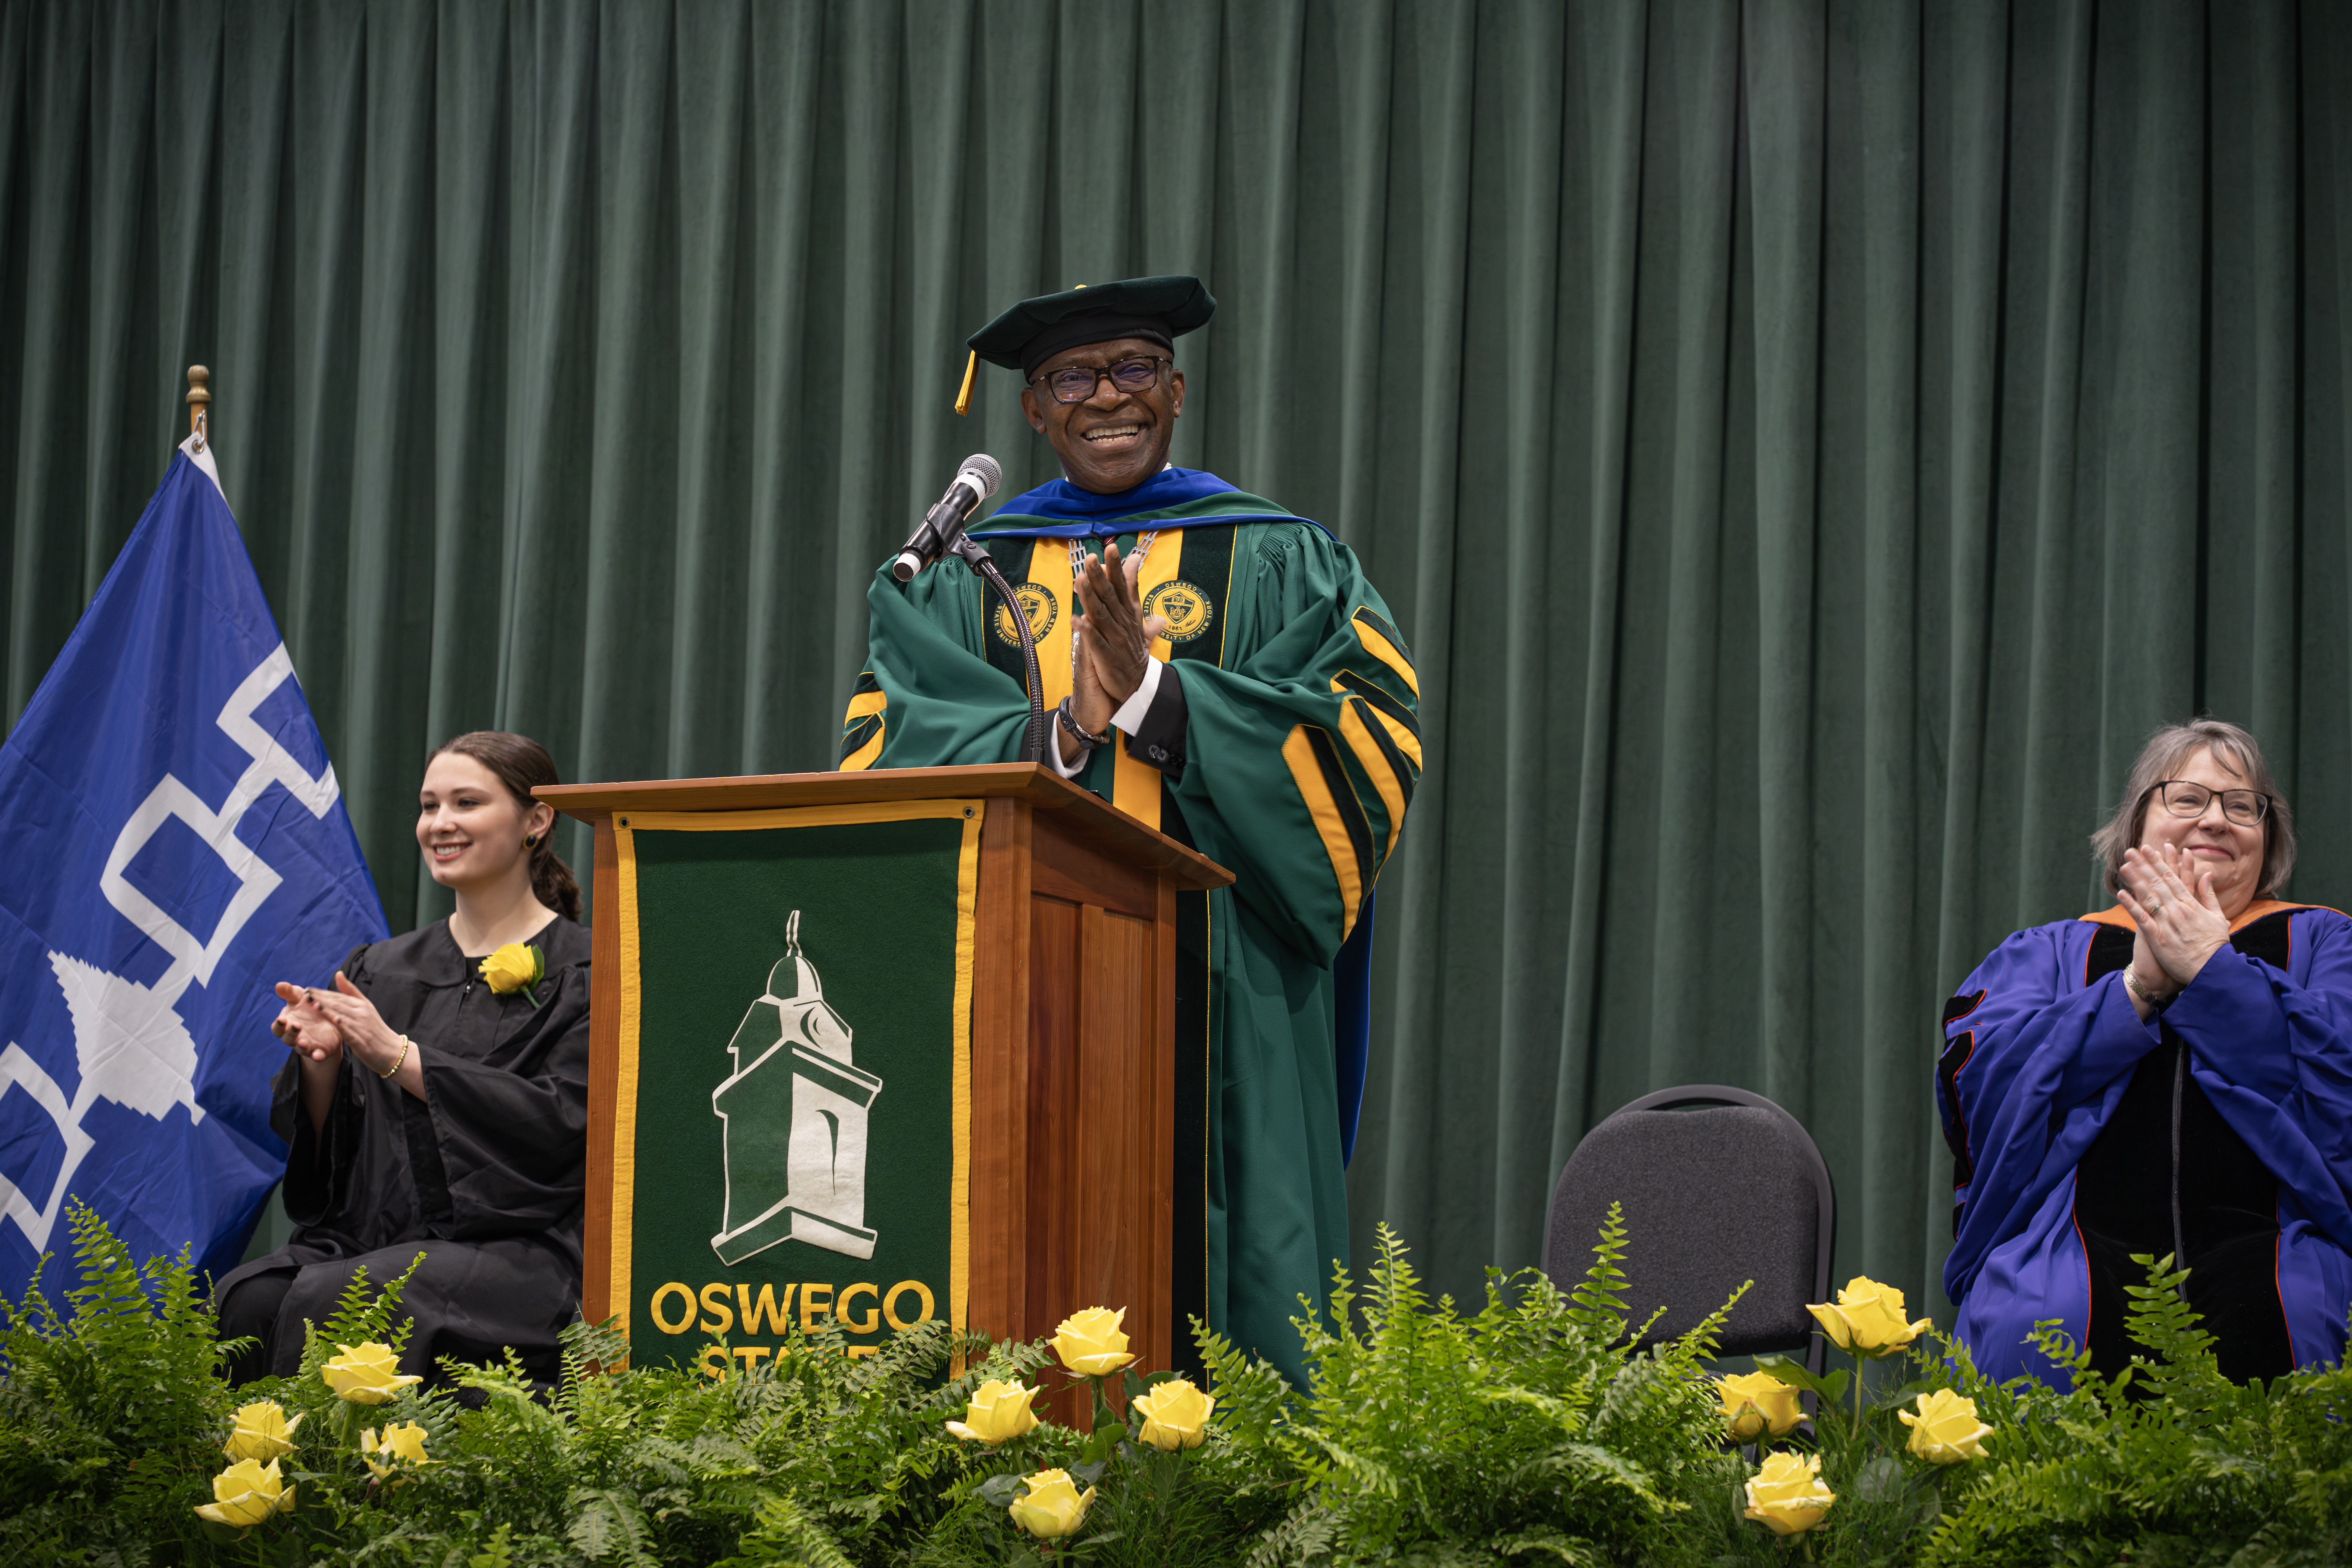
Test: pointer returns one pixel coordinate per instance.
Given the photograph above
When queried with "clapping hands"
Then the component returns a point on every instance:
(305, 1027)
(318, 1024)
(1114, 637)
(2179, 918)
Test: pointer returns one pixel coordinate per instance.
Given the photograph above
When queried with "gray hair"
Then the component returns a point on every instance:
(2167, 749)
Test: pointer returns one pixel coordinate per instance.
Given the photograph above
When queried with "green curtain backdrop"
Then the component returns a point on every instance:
(1807, 444)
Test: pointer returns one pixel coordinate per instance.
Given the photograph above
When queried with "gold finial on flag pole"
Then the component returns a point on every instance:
(200, 402)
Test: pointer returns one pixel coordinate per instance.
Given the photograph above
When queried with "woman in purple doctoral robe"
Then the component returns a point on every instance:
(433, 1108)
(2171, 1076)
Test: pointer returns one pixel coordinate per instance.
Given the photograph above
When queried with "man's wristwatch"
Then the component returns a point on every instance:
(1069, 721)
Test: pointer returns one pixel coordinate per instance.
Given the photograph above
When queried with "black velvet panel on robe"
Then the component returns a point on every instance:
(2166, 1146)
(486, 1175)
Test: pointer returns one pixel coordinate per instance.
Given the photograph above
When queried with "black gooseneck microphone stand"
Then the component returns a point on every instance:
(976, 556)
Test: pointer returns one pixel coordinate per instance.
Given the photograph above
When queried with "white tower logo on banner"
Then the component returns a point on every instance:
(792, 1136)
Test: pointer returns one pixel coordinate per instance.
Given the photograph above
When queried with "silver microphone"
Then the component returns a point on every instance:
(976, 479)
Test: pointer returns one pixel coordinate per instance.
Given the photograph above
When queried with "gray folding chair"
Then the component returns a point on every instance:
(1712, 1196)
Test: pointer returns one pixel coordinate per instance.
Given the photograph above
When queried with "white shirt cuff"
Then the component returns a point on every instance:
(1053, 749)
(1131, 712)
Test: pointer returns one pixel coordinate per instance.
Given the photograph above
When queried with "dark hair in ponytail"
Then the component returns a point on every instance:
(522, 765)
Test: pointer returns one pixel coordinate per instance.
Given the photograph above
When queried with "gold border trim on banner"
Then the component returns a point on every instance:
(621, 1243)
(624, 1100)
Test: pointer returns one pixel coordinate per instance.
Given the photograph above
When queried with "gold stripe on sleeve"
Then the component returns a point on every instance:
(1406, 741)
(1393, 715)
(1306, 774)
(862, 726)
(1377, 767)
(860, 759)
(1387, 652)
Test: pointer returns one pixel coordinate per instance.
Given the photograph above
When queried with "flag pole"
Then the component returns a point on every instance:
(200, 402)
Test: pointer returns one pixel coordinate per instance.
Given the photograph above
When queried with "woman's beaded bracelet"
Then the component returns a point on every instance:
(399, 1061)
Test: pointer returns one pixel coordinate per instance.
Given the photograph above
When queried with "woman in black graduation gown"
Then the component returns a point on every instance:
(427, 1111)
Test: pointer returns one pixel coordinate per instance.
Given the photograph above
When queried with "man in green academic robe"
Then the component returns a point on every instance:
(1235, 682)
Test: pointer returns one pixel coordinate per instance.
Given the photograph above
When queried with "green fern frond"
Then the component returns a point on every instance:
(1304, 1535)
(361, 1316)
(2185, 1371)
(1597, 1304)
(784, 1534)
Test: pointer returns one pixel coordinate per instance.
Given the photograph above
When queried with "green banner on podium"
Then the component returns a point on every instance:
(792, 1121)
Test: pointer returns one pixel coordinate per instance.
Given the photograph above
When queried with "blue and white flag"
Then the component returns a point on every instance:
(174, 843)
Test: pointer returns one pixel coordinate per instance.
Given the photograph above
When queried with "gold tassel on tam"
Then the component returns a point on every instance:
(963, 396)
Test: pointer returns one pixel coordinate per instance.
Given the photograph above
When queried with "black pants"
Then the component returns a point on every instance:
(465, 1301)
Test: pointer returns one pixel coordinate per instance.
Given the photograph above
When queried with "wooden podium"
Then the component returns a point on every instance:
(1062, 1176)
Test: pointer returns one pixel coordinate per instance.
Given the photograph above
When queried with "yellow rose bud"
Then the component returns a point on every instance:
(998, 1413)
(246, 1493)
(400, 1445)
(366, 1374)
(262, 1432)
(1175, 1414)
(1052, 1507)
(1867, 1318)
(1755, 1401)
(518, 966)
(1787, 1496)
(1945, 1431)
(1090, 1341)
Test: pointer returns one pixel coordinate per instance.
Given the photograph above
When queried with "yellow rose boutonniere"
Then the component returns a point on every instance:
(1946, 1430)
(998, 1413)
(366, 1374)
(1753, 1402)
(1053, 1507)
(1175, 1415)
(1090, 1342)
(246, 1493)
(1786, 1497)
(261, 1432)
(1867, 1318)
(518, 966)
(401, 1444)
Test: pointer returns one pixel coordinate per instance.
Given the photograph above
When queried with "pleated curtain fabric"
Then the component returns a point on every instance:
(1808, 445)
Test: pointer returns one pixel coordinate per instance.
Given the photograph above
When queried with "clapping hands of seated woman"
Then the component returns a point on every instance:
(319, 1023)
(304, 1027)
(2180, 920)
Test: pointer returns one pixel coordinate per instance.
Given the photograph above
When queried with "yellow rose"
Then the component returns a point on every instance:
(1754, 1401)
(246, 1493)
(262, 1432)
(1945, 1431)
(518, 966)
(1175, 1414)
(1867, 1318)
(1090, 1341)
(1052, 1507)
(999, 1411)
(401, 1444)
(366, 1374)
(1787, 1496)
